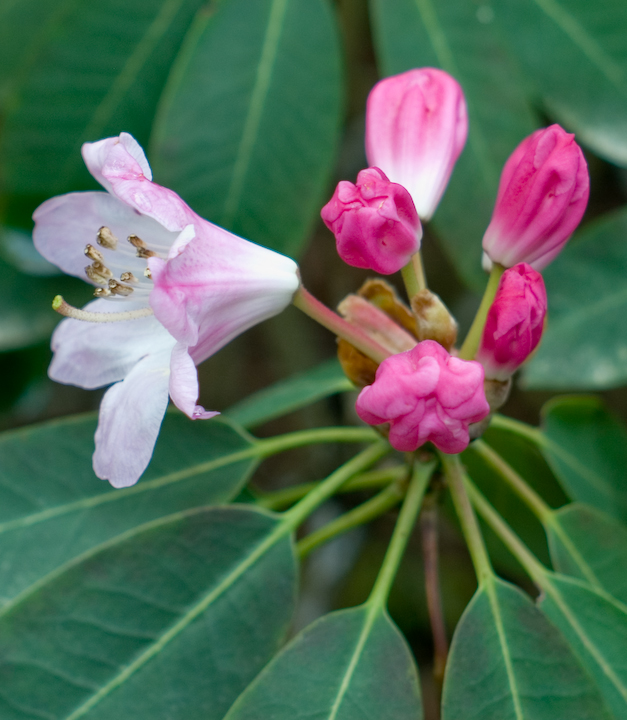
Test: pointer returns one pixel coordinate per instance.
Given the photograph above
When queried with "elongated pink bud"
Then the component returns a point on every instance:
(426, 395)
(416, 127)
(542, 197)
(515, 322)
(374, 222)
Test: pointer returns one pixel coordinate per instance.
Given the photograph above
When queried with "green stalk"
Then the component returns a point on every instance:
(272, 446)
(404, 526)
(362, 514)
(414, 275)
(471, 343)
(519, 428)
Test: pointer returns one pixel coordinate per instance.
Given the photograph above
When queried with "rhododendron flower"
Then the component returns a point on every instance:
(543, 193)
(375, 223)
(149, 252)
(416, 128)
(514, 323)
(426, 395)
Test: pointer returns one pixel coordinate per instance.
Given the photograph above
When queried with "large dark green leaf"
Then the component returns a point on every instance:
(586, 447)
(350, 665)
(53, 507)
(575, 53)
(172, 620)
(590, 545)
(459, 37)
(585, 343)
(292, 394)
(250, 118)
(595, 626)
(77, 71)
(508, 663)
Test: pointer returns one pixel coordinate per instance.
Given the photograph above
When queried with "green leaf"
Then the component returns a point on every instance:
(590, 545)
(459, 37)
(586, 447)
(585, 345)
(349, 665)
(77, 71)
(292, 394)
(595, 625)
(508, 662)
(574, 52)
(173, 619)
(53, 507)
(249, 122)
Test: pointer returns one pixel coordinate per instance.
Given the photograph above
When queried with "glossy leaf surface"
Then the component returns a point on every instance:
(345, 666)
(249, 122)
(53, 507)
(172, 620)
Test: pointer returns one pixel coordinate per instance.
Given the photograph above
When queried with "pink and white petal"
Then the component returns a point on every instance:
(130, 417)
(64, 225)
(184, 384)
(91, 355)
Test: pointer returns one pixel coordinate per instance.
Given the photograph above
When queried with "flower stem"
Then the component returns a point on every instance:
(471, 343)
(414, 275)
(468, 520)
(517, 427)
(371, 509)
(280, 443)
(64, 308)
(429, 533)
(319, 312)
(404, 526)
(280, 499)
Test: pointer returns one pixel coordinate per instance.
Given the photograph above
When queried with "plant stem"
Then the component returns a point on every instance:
(319, 312)
(280, 443)
(281, 499)
(527, 494)
(293, 517)
(501, 422)
(467, 518)
(404, 526)
(414, 275)
(371, 509)
(429, 533)
(471, 343)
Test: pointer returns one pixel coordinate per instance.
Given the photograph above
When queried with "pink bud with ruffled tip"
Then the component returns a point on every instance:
(375, 223)
(416, 128)
(426, 395)
(515, 321)
(543, 193)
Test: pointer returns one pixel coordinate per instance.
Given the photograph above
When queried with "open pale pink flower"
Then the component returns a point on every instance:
(375, 223)
(543, 193)
(426, 395)
(148, 250)
(514, 323)
(416, 128)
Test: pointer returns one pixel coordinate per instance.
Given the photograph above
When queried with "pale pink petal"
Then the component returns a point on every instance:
(184, 384)
(131, 413)
(64, 225)
(91, 355)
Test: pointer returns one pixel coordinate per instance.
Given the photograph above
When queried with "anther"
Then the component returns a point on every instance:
(93, 253)
(102, 292)
(98, 273)
(119, 289)
(147, 273)
(142, 248)
(106, 238)
(128, 277)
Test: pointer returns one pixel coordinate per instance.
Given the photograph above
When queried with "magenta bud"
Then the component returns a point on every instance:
(375, 223)
(515, 322)
(416, 127)
(426, 395)
(543, 193)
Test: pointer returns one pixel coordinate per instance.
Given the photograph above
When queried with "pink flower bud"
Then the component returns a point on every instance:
(542, 196)
(515, 322)
(416, 127)
(426, 395)
(374, 222)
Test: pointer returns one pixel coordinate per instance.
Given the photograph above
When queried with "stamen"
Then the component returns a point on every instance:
(142, 248)
(128, 277)
(93, 253)
(98, 273)
(119, 289)
(68, 310)
(107, 239)
(102, 292)
(147, 273)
